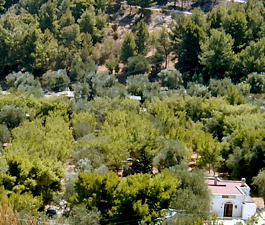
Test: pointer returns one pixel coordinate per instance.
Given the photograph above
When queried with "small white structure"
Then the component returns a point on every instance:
(135, 97)
(231, 199)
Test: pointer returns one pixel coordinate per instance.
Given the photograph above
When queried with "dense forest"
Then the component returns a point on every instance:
(200, 81)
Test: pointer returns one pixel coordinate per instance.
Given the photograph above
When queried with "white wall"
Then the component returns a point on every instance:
(218, 203)
(248, 210)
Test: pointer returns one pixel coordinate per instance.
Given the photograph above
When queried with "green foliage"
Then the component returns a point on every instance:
(234, 97)
(22, 33)
(138, 65)
(259, 181)
(199, 90)
(46, 52)
(24, 81)
(83, 124)
(256, 82)
(193, 197)
(93, 23)
(42, 135)
(66, 19)
(96, 191)
(82, 91)
(87, 21)
(80, 215)
(171, 154)
(25, 204)
(112, 64)
(187, 36)
(145, 4)
(32, 6)
(235, 24)
(12, 116)
(171, 79)
(210, 151)
(251, 58)
(56, 81)
(219, 87)
(140, 85)
(216, 16)
(139, 196)
(100, 85)
(79, 6)
(234, 93)
(248, 155)
(108, 50)
(2, 5)
(145, 196)
(34, 162)
(33, 179)
(164, 45)
(79, 69)
(70, 36)
(88, 149)
(47, 16)
(128, 48)
(142, 38)
(4, 134)
(217, 55)
(20, 80)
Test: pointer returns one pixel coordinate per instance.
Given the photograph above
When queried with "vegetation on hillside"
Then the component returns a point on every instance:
(59, 149)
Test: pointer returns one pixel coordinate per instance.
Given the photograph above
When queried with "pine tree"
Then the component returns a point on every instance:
(128, 48)
(164, 45)
(141, 38)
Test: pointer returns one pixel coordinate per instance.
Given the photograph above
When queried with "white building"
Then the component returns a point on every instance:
(231, 199)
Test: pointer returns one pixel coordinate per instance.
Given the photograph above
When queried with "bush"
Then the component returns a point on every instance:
(257, 82)
(138, 65)
(82, 91)
(11, 116)
(198, 90)
(20, 79)
(56, 80)
(171, 79)
(24, 81)
(79, 69)
(140, 85)
(219, 87)
(83, 124)
(4, 134)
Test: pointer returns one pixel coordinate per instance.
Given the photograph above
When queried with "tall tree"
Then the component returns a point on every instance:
(87, 21)
(217, 55)
(251, 59)
(210, 151)
(186, 42)
(145, 4)
(47, 15)
(66, 19)
(164, 45)
(142, 38)
(5, 44)
(128, 48)
(235, 24)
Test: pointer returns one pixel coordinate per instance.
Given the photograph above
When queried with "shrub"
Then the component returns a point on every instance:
(138, 65)
(171, 79)
(11, 116)
(56, 80)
